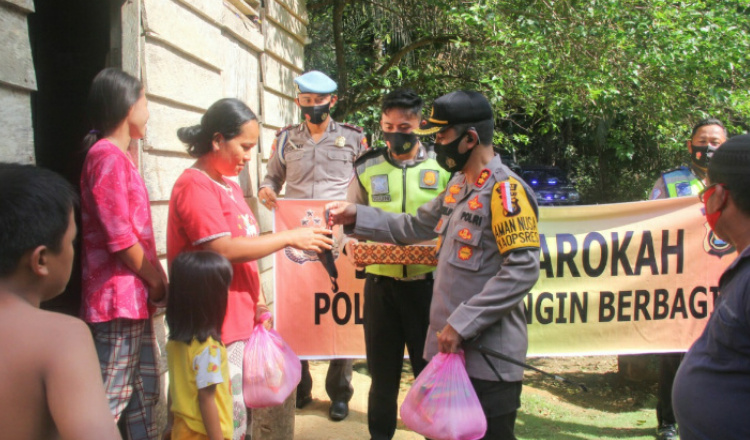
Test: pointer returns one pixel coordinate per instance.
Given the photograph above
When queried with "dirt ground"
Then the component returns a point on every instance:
(608, 391)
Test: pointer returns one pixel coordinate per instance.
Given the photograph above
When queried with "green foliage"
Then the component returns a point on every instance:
(608, 89)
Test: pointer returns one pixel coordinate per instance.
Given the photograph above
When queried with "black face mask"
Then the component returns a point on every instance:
(448, 156)
(702, 156)
(400, 143)
(316, 114)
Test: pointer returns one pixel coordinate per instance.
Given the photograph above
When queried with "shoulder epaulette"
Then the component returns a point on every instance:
(353, 127)
(369, 154)
(281, 130)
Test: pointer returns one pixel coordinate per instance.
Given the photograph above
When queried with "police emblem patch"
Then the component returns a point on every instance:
(713, 245)
(465, 252)
(465, 234)
(428, 179)
(475, 204)
(340, 141)
(514, 219)
(452, 191)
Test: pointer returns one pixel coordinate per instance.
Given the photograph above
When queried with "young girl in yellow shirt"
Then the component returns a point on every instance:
(199, 388)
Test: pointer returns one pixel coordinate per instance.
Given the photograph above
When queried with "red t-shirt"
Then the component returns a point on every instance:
(201, 210)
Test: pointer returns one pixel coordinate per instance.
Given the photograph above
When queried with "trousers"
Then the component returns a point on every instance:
(396, 314)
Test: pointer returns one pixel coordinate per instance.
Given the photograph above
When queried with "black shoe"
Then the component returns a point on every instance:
(303, 401)
(338, 411)
(667, 432)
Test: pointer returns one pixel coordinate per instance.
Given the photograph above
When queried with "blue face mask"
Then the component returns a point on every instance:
(448, 156)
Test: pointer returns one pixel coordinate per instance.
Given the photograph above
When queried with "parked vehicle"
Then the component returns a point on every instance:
(551, 185)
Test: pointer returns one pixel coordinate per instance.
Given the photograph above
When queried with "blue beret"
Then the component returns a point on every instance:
(315, 82)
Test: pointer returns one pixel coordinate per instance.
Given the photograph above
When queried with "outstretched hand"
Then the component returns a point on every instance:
(310, 239)
(341, 213)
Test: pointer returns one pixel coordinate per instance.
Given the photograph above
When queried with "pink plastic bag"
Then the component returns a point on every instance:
(442, 403)
(271, 370)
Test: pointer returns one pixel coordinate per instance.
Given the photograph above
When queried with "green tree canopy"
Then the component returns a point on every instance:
(607, 89)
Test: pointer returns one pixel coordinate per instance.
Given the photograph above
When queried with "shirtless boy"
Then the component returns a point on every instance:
(51, 386)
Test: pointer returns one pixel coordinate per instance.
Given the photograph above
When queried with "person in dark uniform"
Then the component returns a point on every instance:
(712, 386)
(707, 136)
(399, 178)
(315, 159)
(488, 252)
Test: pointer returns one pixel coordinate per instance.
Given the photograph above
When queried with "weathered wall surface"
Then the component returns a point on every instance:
(17, 81)
(194, 52)
(191, 53)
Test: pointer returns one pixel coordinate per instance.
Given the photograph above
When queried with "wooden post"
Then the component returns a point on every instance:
(274, 423)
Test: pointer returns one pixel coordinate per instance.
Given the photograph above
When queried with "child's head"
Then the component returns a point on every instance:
(114, 97)
(36, 224)
(198, 287)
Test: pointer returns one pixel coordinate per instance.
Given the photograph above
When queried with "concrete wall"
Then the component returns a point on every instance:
(17, 81)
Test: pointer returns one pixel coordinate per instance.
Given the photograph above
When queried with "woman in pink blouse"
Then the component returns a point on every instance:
(122, 276)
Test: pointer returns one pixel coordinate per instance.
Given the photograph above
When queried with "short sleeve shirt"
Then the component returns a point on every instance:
(115, 215)
(193, 367)
(202, 210)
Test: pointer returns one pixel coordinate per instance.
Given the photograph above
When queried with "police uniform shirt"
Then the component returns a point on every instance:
(314, 170)
(488, 260)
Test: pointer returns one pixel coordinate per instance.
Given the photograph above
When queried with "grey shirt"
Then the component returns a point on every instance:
(478, 290)
(314, 170)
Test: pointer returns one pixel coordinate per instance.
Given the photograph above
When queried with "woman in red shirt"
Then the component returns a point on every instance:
(208, 211)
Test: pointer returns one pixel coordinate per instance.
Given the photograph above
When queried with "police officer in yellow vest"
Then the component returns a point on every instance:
(315, 159)
(399, 178)
(707, 136)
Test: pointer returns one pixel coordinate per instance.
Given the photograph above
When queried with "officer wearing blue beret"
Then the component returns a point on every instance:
(315, 159)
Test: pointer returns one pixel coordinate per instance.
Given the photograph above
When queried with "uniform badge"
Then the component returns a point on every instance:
(713, 245)
(340, 141)
(439, 226)
(379, 188)
(452, 191)
(428, 179)
(465, 253)
(475, 204)
(514, 217)
(465, 234)
(482, 179)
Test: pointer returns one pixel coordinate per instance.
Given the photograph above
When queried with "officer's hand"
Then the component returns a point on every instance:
(267, 197)
(449, 341)
(341, 213)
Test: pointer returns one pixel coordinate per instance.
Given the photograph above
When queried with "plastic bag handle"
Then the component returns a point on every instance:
(265, 316)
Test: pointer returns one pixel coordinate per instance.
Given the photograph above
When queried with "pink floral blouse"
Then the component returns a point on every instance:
(115, 215)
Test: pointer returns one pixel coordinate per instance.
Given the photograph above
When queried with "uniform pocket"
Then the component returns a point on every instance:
(467, 248)
(340, 164)
(296, 165)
